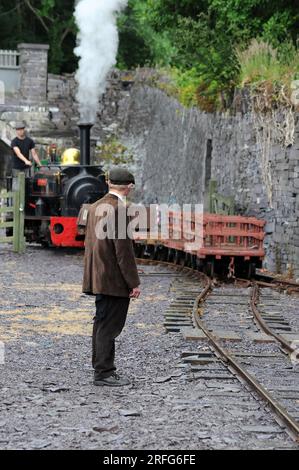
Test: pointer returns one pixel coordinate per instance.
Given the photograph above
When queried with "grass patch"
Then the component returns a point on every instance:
(260, 62)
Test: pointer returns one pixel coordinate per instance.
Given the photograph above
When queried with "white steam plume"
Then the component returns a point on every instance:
(97, 45)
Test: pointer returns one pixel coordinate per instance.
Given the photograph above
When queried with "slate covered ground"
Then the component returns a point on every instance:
(47, 399)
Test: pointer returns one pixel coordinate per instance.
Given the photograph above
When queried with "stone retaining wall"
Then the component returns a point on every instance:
(177, 150)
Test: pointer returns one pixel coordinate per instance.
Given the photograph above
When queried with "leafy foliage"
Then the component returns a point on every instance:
(113, 152)
(200, 41)
(45, 21)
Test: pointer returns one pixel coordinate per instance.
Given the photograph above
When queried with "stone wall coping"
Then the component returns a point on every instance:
(24, 45)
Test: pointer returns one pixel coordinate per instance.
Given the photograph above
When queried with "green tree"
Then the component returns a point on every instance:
(57, 22)
(46, 21)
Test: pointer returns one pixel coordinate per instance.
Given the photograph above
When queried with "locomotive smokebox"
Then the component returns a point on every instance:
(85, 143)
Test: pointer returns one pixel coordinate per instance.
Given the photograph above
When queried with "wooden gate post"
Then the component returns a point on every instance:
(20, 210)
(17, 209)
(16, 221)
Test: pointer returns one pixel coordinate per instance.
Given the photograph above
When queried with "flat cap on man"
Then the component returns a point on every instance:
(120, 176)
(20, 125)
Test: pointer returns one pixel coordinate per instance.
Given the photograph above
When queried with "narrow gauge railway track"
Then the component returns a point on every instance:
(185, 313)
(272, 323)
(288, 286)
(267, 369)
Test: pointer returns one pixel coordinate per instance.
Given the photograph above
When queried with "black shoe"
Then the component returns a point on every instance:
(113, 380)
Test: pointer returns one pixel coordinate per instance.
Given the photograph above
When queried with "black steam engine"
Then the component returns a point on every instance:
(55, 194)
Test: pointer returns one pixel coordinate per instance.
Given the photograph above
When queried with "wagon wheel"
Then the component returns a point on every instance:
(142, 251)
(170, 255)
(193, 261)
(199, 264)
(177, 257)
(251, 270)
(210, 268)
(188, 260)
(163, 253)
(138, 248)
(156, 255)
(151, 252)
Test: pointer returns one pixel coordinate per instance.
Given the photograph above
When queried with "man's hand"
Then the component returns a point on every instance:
(28, 163)
(135, 293)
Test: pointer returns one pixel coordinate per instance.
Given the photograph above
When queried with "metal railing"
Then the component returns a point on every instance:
(9, 59)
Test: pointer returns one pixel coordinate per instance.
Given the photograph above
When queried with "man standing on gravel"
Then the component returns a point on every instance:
(110, 273)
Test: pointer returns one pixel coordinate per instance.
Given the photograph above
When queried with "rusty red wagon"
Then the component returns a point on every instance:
(227, 244)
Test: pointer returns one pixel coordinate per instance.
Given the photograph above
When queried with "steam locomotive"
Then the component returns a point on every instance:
(55, 194)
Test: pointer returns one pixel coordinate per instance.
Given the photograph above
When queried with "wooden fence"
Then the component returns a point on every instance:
(12, 205)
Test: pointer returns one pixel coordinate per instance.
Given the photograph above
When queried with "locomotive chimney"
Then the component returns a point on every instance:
(85, 143)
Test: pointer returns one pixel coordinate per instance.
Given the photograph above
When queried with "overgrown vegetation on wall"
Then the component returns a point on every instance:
(208, 47)
(114, 152)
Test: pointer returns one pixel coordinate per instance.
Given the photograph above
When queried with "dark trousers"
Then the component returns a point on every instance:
(111, 314)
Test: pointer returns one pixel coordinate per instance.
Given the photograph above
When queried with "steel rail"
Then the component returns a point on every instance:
(175, 267)
(253, 301)
(279, 410)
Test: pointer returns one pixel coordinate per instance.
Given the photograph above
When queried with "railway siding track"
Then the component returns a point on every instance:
(269, 312)
(234, 360)
(255, 357)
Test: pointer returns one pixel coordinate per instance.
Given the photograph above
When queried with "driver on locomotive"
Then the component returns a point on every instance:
(22, 145)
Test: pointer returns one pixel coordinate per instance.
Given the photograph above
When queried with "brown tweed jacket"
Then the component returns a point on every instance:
(109, 264)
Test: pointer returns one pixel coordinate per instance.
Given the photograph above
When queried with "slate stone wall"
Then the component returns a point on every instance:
(178, 150)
